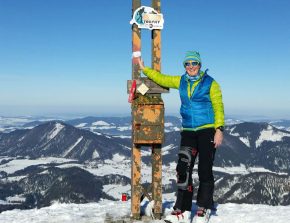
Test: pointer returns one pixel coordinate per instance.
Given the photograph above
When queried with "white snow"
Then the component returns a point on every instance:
(246, 141)
(15, 199)
(123, 137)
(242, 169)
(69, 165)
(111, 167)
(176, 129)
(231, 132)
(168, 124)
(117, 165)
(72, 146)
(169, 127)
(81, 125)
(14, 121)
(69, 213)
(118, 158)
(93, 128)
(9, 124)
(270, 135)
(19, 164)
(123, 167)
(57, 128)
(116, 190)
(124, 128)
(16, 178)
(101, 123)
(115, 210)
(3, 202)
(165, 150)
(146, 152)
(95, 154)
(105, 127)
(105, 211)
(232, 121)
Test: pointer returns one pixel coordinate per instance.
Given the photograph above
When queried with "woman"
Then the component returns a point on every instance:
(202, 115)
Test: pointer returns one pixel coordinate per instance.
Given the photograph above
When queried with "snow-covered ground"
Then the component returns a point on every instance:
(270, 135)
(106, 211)
(118, 165)
(242, 169)
(19, 164)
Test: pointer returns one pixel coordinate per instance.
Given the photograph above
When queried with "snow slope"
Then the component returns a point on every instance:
(106, 211)
(270, 135)
(19, 164)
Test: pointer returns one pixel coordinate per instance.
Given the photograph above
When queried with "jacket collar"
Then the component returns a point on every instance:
(195, 78)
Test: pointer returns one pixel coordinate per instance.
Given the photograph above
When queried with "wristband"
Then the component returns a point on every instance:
(136, 54)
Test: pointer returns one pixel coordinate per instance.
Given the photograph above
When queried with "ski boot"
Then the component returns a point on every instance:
(202, 215)
(177, 216)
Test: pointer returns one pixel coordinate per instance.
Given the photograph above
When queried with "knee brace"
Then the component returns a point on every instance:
(182, 168)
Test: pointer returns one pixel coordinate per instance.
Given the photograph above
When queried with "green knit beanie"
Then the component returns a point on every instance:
(192, 55)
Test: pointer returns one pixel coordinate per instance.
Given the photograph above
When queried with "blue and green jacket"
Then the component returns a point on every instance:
(201, 101)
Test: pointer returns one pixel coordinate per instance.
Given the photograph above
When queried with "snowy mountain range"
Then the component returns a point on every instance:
(88, 159)
(57, 139)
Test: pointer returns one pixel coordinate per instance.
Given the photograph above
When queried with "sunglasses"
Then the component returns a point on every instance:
(193, 63)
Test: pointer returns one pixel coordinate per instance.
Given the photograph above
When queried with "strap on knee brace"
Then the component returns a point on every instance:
(184, 161)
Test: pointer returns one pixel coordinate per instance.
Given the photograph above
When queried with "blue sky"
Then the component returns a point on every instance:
(74, 56)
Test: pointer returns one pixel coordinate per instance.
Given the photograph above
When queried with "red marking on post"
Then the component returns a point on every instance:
(132, 91)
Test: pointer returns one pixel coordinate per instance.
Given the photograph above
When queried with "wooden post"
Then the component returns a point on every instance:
(156, 41)
(136, 150)
(157, 180)
(136, 181)
(147, 123)
(136, 41)
(156, 150)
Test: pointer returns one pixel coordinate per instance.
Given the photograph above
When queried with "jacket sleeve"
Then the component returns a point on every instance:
(162, 79)
(217, 104)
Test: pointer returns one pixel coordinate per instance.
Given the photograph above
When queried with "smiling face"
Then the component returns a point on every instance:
(192, 67)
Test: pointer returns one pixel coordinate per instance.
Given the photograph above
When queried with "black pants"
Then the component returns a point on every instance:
(198, 143)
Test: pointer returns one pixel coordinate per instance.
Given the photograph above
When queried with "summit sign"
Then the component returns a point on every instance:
(147, 18)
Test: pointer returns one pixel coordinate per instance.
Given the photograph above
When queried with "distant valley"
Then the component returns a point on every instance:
(86, 159)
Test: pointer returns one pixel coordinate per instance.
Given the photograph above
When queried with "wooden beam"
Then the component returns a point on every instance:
(136, 181)
(136, 40)
(153, 87)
